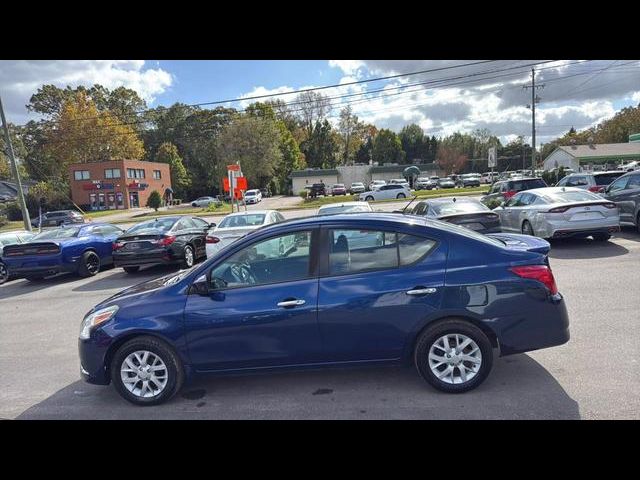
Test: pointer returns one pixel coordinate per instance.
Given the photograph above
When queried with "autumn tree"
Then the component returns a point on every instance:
(180, 180)
(313, 107)
(82, 134)
(450, 160)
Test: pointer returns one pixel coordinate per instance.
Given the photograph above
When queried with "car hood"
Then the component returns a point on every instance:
(144, 289)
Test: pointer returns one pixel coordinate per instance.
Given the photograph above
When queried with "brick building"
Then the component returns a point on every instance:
(117, 184)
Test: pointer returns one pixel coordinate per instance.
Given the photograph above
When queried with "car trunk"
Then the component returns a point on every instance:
(137, 243)
(524, 243)
(32, 248)
(474, 221)
(583, 211)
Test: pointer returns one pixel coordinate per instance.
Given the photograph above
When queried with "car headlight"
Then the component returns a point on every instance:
(96, 318)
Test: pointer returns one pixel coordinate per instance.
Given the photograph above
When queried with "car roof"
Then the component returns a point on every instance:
(251, 212)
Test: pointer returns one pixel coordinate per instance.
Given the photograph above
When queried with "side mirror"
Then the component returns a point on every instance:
(212, 225)
(200, 286)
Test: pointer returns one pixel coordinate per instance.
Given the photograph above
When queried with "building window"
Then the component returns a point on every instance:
(81, 175)
(135, 172)
(112, 173)
(157, 174)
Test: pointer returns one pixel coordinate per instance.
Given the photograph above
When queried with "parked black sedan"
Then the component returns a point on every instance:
(165, 240)
(466, 212)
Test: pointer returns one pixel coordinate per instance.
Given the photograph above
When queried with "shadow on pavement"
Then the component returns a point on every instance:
(518, 388)
(580, 248)
(21, 286)
(122, 279)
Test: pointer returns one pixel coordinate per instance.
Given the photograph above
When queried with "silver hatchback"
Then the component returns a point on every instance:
(559, 212)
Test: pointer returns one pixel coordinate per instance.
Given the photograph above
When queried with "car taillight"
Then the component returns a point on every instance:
(596, 189)
(509, 194)
(117, 245)
(558, 210)
(210, 239)
(609, 205)
(541, 273)
(168, 240)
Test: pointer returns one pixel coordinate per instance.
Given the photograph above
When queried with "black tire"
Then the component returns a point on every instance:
(527, 229)
(601, 237)
(369, 198)
(89, 264)
(131, 269)
(4, 273)
(452, 326)
(401, 195)
(185, 261)
(175, 371)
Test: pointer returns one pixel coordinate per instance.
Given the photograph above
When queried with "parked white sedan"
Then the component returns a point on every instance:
(237, 225)
(204, 201)
(386, 192)
(559, 212)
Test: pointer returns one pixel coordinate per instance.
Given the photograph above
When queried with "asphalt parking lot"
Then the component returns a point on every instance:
(594, 376)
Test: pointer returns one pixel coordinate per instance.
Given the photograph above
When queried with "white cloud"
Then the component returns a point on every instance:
(349, 67)
(19, 79)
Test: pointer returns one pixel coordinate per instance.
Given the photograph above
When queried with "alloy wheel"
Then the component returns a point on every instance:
(188, 257)
(455, 358)
(144, 374)
(93, 264)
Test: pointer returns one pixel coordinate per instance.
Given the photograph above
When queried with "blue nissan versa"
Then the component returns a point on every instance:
(346, 289)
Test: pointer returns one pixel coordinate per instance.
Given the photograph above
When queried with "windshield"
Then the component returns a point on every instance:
(452, 208)
(57, 233)
(250, 193)
(249, 220)
(567, 197)
(345, 209)
(162, 224)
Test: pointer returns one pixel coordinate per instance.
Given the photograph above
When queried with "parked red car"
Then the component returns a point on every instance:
(339, 189)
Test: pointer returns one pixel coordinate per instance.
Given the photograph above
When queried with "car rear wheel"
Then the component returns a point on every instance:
(131, 269)
(401, 195)
(89, 264)
(188, 259)
(4, 273)
(453, 356)
(369, 198)
(146, 371)
(527, 229)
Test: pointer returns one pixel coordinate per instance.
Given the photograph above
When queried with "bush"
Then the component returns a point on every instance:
(155, 200)
(13, 212)
(3, 220)
(303, 194)
(214, 207)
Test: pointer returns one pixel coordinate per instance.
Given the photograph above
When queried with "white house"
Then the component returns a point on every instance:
(594, 156)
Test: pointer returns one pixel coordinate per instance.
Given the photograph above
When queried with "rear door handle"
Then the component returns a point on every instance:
(421, 291)
(291, 303)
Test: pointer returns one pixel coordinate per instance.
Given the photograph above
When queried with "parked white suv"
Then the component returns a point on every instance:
(376, 184)
(386, 192)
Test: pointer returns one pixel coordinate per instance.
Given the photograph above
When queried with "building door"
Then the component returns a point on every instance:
(101, 202)
(120, 200)
(133, 200)
(93, 200)
(111, 198)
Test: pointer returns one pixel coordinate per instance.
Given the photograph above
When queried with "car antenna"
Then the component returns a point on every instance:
(405, 207)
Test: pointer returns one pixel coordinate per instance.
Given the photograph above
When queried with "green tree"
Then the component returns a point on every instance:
(155, 200)
(414, 143)
(387, 148)
(351, 135)
(321, 148)
(255, 143)
(180, 180)
(19, 151)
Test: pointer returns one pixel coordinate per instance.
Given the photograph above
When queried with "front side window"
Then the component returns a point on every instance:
(619, 184)
(633, 183)
(285, 258)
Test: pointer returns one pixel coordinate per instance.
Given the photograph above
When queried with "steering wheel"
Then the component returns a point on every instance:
(242, 273)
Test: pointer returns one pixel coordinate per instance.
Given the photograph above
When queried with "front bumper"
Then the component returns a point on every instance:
(93, 356)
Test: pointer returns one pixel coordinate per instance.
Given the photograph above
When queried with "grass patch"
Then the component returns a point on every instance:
(17, 225)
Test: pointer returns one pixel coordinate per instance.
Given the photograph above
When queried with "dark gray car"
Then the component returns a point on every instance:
(463, 211)
(594, 182)
(58, 218)
(625, 192)
(505, 189)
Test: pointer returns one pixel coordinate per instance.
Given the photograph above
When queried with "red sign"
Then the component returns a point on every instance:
(241, 183)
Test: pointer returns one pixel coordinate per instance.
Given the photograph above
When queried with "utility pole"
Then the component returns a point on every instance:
(14, 169)
(534, 99)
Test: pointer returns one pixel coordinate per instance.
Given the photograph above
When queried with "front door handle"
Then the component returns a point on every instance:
(421, 291)
(291, 303)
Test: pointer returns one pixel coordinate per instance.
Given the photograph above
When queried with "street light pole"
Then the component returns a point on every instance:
(14, 169)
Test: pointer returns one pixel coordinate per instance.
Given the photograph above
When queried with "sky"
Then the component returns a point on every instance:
(448, 96)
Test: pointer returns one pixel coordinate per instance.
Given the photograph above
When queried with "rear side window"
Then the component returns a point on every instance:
(535, 183)
(634, 182)
(577, 181)
(353, 251)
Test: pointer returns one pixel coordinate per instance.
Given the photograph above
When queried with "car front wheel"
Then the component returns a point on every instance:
(4, 273)
(146, 371)
(453, 356)
(401, 195)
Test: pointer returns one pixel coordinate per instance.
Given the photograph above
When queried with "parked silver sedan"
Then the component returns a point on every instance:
(560, 212)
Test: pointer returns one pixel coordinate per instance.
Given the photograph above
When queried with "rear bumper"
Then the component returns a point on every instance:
(141, 259)
(547, 327)
(585, 233)
(42, 266)
(565, 229)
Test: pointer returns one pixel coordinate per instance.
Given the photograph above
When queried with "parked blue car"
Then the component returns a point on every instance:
(335, 290)
(82, 249)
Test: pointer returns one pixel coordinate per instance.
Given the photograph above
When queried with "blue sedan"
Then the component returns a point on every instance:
(335, 290)
(81, 249)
